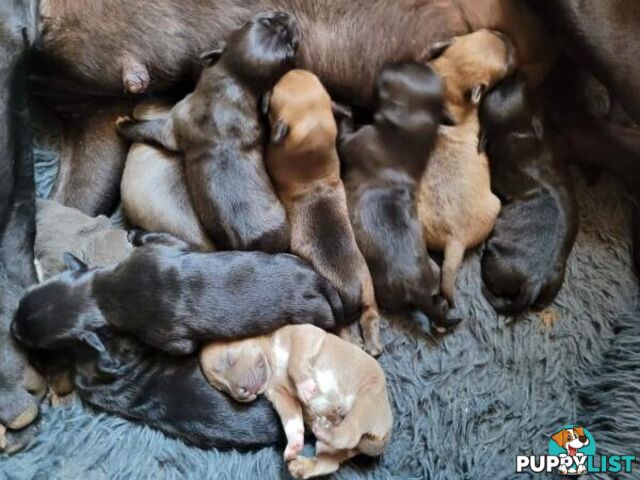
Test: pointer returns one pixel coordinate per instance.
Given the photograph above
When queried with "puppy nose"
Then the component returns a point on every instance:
(583, 439)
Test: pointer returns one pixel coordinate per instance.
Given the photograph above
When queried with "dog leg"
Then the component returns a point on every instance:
(157, 132)
(139, 238)
(290, 414)
(322, 464)
(453, 257)
(304, 350)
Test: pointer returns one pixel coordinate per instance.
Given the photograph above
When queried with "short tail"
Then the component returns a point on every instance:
(334, 300)
(453, 257)
(511, 306)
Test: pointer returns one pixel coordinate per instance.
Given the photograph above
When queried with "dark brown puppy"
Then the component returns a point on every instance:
(382, 165)
(173, 298)
(156, 43)
(524, 261)
(303, 163)
(217, 129)
(92, 160)
(20, 387)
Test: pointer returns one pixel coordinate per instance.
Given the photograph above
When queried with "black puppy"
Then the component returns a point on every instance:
(218, 130)
(173, 298)
(382, 165)
(524, 261)
(165, 392)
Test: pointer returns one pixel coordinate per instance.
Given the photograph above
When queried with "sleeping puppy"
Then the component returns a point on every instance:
(304, 166)
(382, 166)
(217, 128)
(59, 229)
(165, 392)
(154, 189)
(524, 261)
(172, 298)
(301, 370)
(455, 203)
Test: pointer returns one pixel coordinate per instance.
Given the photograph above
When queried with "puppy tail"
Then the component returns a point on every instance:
(335, 302)
(528, 294)
(453, 257)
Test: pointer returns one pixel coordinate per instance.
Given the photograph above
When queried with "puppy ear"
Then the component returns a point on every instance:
(105, 363)
(437, 49)
(579, 431)
(210, 57)
(560, 438)
(476, 93)
(538, 128)
(341, 111)
(447, 117)
(482, 141)
(265, 103)
(74, 263)
(279, 131)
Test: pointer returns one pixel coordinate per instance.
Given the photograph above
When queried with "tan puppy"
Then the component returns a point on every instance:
(301, 370)
(153, 188)
(455, 203)
(303, 164)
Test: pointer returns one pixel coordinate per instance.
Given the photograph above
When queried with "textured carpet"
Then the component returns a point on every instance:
(465, 405)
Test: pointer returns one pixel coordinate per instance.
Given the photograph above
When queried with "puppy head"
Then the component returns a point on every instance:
(409, 99)
(509, 109)
(473, 63)
(50, 314)
(571, 437)
(263, 49)
(300, 110)
(241, 368)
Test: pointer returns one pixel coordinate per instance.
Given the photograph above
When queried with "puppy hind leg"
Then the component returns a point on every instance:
(370, 320)
(322, 464)
(453, 257)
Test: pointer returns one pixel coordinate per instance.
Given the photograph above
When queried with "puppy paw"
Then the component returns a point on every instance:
(562, 469)
(301, 467)
(373, 347)
(307, 390)
(581, 469)
(294, 447)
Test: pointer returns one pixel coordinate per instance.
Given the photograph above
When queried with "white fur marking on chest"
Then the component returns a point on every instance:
(280, 355)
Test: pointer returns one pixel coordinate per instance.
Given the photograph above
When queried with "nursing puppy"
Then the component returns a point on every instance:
(301, 370)
(455, 203)
(154, 189)
(524, 261)
(382, 166)
(173, 298)
(165, 392)
(304, 166)
(59, 229)
(217, 128)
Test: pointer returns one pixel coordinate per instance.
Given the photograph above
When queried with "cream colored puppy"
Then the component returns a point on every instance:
(311, 377)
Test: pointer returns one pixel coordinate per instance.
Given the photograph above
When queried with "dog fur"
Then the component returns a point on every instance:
(303, 163)
(300, 369)
(382, 165)
(455, 203)
(524, 261)
(218, 130)
(154, 190)
(173, 298)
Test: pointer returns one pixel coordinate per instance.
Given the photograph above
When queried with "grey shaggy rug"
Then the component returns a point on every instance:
(465, 404)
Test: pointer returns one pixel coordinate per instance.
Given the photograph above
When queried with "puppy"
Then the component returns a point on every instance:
(382, 166)
(304, 166)
(173, 298)
(455, 203)
(524, 261)
(301, 370)
(217, 129)
(154, 190)
(97, 241)
(165, 392)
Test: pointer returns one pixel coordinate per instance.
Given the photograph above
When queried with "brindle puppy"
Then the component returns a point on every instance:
(218, 130)
(304, 165)
(173, 298)
(382, 166)
(524, 261)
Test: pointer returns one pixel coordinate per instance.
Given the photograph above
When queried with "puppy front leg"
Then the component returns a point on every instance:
(304, 351)
(290, 414)
(157, 132)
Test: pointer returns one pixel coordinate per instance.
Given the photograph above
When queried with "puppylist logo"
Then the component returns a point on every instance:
(572, 451)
